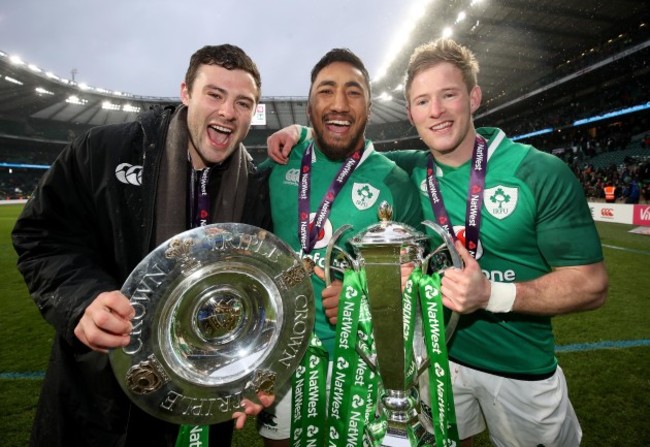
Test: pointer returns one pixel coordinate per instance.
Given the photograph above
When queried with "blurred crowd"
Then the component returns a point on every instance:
(631, 181)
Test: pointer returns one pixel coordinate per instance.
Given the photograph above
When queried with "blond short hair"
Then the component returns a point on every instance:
(442, 50)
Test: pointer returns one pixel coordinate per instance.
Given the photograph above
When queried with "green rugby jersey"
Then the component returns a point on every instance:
(534, 217)
(375, 179)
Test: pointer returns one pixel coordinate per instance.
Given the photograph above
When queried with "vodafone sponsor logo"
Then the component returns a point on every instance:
(642, 215)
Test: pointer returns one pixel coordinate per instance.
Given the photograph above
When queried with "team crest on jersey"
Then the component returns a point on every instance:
(500, 201)
(364, 195)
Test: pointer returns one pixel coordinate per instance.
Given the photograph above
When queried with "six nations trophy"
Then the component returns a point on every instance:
(222, 312)
(410, 402)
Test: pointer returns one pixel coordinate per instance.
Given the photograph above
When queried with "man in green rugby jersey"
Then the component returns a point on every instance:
(335, 179)
(528, 242)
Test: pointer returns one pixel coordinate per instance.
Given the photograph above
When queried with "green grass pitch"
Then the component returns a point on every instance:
(605, 354)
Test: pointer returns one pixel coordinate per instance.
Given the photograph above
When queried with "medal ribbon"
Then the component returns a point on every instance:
(474, 196)
(200, 198)
(308, 234)
(189, 435)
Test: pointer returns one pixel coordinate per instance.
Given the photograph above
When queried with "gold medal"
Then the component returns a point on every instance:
(309, 264)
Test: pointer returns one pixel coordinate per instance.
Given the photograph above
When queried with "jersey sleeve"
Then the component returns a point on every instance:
(407, 159)
(406, 201)
(566, 234)
(306, 134)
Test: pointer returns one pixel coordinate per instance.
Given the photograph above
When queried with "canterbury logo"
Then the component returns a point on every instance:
(291, 177)
(129, 174)
(607, 212)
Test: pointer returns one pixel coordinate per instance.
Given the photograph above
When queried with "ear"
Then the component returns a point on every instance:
(408, 113)
(185, 94)
(475, 97)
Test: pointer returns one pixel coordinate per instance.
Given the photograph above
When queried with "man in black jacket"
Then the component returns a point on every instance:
(112, 196)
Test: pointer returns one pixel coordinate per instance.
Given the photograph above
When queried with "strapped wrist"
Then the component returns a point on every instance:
(502, 297)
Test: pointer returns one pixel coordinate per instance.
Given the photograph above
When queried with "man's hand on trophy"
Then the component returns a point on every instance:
(106, 322)
(467, 290)
(405, 271)
(280, 143)
(250, 408)
(330, 296)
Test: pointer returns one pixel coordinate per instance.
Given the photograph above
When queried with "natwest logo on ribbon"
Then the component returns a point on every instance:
(641, 215)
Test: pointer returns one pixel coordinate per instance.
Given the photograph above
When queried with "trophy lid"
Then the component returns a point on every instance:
(387, 231)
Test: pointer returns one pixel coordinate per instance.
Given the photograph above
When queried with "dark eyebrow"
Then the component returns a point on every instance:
(326, 83)
(214, 87)
(224, 92)
(246, 98)
(354, 84)
(330, 83)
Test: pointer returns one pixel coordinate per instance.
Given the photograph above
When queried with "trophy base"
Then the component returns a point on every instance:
(399, 438)
(392, 440)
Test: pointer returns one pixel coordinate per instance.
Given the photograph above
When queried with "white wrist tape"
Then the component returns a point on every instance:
(502, 297)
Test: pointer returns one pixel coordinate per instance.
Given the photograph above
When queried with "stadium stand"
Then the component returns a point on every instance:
(576, 62)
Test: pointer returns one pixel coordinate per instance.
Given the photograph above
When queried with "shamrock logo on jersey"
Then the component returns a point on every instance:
(364, 195)
(500, 201)
(500, 197)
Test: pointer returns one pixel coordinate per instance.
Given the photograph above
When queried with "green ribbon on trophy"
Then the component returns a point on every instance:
(308, 406)
(440, 386)
(190, 435)
(352, 407)
(353, 385)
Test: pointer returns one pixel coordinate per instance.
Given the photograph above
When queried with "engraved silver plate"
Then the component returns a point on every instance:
(221, 312)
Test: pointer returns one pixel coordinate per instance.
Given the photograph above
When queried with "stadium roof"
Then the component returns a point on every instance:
(525, 48)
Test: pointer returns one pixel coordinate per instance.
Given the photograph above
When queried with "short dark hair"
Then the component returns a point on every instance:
(340, 55)
(228, 56)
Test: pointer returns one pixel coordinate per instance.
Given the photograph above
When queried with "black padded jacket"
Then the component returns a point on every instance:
(87, 225)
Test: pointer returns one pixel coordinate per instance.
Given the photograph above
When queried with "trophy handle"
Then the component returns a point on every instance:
(331, 247)
(329, 252)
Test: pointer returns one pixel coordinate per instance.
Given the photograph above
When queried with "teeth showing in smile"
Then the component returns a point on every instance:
(221, 129)
(441, 126)
(219, 134)
(338, 123)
